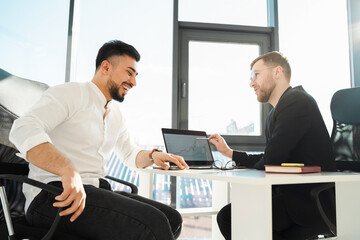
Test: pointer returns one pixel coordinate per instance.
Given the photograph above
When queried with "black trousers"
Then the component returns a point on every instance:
(308, 223)
(281, 219)
(110, 215)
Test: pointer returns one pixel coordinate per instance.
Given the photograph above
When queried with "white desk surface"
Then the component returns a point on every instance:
(252, 188)
(252, 176)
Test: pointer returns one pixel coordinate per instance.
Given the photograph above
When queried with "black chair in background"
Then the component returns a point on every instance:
(17, 95)
(345, 111)
(345, 136)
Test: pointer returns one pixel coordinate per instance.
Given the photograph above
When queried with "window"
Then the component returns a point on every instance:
(213, 85)
(147, 107)
(33, 39)
(218, 87)
(212, 93)
(237, 12)
(317, 46)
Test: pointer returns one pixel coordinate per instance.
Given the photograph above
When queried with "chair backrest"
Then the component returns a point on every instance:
(345, 111)
(17, 95)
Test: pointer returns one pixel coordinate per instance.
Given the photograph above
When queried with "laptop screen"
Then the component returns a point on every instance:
(191, 145)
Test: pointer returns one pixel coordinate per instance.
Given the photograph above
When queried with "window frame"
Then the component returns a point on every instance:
(189, 31)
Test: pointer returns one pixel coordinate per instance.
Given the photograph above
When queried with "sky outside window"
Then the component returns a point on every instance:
(317, 46)
(33, 40)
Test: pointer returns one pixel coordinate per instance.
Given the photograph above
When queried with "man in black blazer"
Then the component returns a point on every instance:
(295, 133)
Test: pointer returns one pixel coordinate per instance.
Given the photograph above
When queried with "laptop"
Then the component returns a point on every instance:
(191, 145)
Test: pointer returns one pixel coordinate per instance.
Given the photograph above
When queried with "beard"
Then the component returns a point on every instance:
(265, 94)
(114, 91)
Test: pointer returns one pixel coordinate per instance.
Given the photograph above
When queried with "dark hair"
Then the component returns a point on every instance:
(115, 48)
(274, 59)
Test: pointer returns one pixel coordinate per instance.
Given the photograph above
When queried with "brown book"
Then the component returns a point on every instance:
(291, 169)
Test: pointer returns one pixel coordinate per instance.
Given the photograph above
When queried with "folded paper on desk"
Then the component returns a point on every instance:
(291, 169)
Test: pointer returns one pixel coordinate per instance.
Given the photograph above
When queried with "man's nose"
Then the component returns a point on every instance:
(133, 81)
(252, 83)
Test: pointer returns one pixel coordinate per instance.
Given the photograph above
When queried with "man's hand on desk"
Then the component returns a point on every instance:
(160, 159)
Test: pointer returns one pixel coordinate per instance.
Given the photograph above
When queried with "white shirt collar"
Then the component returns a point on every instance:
(98, 93)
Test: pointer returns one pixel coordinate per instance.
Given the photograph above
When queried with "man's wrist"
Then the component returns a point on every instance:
(151, 154)
(230, 153)
(68, 170)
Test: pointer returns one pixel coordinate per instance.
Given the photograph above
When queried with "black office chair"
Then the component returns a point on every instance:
(321, 205)
(345, 111)
(17, 95)
(345, 136)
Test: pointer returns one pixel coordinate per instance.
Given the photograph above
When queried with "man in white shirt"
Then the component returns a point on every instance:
(68, 137)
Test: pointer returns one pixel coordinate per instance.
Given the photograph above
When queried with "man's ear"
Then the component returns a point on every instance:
(278, 72)
(105, 67)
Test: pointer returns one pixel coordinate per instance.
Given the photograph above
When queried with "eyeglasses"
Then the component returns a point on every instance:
(227, 166)
(254, 74)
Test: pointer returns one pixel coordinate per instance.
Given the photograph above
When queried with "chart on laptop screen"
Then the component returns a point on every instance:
(189, 147)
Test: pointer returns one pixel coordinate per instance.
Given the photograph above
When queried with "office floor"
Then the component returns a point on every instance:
(196, 228)
(199, 228)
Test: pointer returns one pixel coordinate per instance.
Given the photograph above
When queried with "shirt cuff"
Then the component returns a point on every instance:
(32, 142)
(239, 157)
(131, 163)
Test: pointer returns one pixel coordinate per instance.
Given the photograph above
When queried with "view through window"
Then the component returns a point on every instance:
(220, 98)
(317, 46)
(30, 47)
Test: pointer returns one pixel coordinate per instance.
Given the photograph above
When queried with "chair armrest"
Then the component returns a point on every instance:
(19, 178)
(315, 196)
(133, 187)
(46, 187)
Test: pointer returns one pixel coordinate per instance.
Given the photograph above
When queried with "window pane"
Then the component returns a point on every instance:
(220, 99)
(316, 44)
(33, 39)
(194, 193)
(147, 106)
(238, 12)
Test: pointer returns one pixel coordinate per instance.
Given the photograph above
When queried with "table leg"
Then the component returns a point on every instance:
(251, 212)
(146, 182)
(347, 210)
(220, 198)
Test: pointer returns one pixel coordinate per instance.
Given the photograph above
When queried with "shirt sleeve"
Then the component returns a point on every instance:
(125, 149)
(32, 129)
(248, 160)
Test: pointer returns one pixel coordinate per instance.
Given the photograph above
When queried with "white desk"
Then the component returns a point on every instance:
(251, 198)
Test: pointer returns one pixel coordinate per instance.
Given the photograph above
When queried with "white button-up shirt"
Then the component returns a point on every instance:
(70, 116)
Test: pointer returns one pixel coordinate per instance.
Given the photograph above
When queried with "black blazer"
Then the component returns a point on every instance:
(295, 132)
